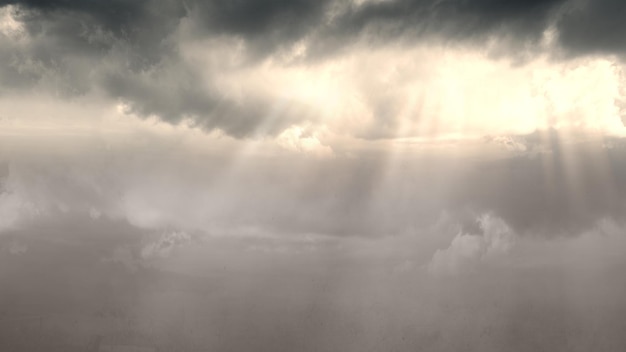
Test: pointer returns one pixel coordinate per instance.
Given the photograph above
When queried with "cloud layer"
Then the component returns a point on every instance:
(204, 61)
(550, 184)
(434, 175)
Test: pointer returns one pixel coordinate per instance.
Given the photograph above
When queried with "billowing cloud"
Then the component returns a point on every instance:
(250, 68)
(592, 27)
(312, 175)
(550, 184)
(469, 250)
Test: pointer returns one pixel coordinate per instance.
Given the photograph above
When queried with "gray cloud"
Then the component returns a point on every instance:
(176, 93)
(127, 51)
(266, 26)
(145, 25)
(219, 296)
(593, 27)
(146, 242)
(566, 186)
(559, 186)
(447, 20)
(131, 50)
(113, 235)
(76, 27)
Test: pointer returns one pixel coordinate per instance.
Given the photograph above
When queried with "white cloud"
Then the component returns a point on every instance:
(295, 139)
(468, 251)
(8, 25)
(426, 91)
(163, 247)
(14, 209)
(510, 143)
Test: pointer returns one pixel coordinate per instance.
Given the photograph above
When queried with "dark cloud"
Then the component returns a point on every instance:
(450, 19)
(145, 24)
(594, 27)
(96, 26)
(115, 237)
(131, 50)
(265, 25)
(177, 93)
(71, 43)
(68, 42)
(584, 26)
(268, 25)
(126, 49)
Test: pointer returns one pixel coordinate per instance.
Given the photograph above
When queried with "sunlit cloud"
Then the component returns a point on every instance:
(312, 175)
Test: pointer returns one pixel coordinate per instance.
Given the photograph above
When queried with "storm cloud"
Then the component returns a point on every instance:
(136, 51)
(434, 175)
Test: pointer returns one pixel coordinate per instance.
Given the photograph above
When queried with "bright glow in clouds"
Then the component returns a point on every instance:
(8, 25)
(431, 91)
(423, 91)
(294, 139)
(312, 175)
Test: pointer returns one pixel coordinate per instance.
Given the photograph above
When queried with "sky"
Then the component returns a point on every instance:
(312, 175)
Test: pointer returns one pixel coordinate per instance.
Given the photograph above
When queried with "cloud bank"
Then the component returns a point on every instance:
(434, 175)
(250, 68)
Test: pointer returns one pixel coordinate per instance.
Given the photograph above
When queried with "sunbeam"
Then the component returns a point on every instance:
(312, 175)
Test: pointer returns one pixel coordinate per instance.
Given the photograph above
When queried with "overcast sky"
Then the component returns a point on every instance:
(323, 175)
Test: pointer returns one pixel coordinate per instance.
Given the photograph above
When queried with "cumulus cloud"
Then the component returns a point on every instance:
(296, 139)
(467, 250)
